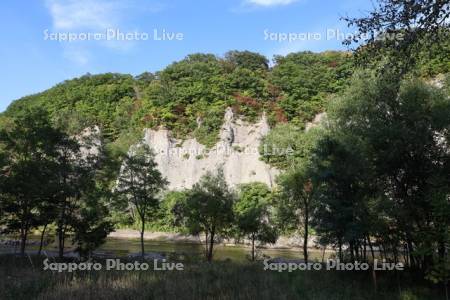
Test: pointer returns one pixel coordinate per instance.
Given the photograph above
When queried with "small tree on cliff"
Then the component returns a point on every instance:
(208, 209)
(139, 184)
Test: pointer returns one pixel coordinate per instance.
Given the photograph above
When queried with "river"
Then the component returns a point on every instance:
(127, 246)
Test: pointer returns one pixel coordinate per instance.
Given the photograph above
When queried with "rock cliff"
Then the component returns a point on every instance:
(183, 162)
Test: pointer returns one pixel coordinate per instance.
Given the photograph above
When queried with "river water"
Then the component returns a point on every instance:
(127, 246)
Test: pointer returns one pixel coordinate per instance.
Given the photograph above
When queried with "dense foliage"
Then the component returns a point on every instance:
(396, 34)
(207, 209)
(189, 96)
(385, 164)
(49, 177)
(253, 217)
(139, 185)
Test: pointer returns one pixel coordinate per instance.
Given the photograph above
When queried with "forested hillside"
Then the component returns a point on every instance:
(196, 90)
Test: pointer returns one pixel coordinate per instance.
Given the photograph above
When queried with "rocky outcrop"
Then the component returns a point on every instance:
(183, 162)
(90, 141)
(316, 121)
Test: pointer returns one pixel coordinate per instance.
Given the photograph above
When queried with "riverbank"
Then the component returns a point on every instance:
(287, 243)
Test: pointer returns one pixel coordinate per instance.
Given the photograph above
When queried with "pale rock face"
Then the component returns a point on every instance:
(317, 120)
(184, 162)
(90, 141)
(438, 81)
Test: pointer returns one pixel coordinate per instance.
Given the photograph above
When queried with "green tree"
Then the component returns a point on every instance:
(3, 168)
(399, 31)
(280, 146)
(166, 218)
(296, 187)
(248, 60)
(91, 223)
(46, 177)
(72, 178)
(208, 209)
(294, 205)
(139, 184)
(340, 175)
(253, 215)
(307, 79)
(30, 144)
(404, 136)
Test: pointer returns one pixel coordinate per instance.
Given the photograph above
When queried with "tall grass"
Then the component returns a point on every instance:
(22, 278)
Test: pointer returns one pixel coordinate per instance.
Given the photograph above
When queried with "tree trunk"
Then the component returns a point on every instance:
(364, 250)
(206, 244)
(371, 248)
(42, 239)
(61, 239)
(23, 240)
(61, 229)
(441, 251)
(253, 247)
(412, 260)
(405, 254)
(305, 234)
(61, 242)
(352, 256)
(395, 252)
(381, 251)
(386, 252)
(142, 237)
(211, 245)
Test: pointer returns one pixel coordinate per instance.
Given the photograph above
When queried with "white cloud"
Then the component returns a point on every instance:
(246, 6)
(96, 16)
(270, 2)
(83, 14)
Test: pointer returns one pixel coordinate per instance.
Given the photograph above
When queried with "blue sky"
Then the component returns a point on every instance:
(31, 63)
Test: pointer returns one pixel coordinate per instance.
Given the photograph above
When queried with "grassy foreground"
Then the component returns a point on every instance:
(19, 279)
